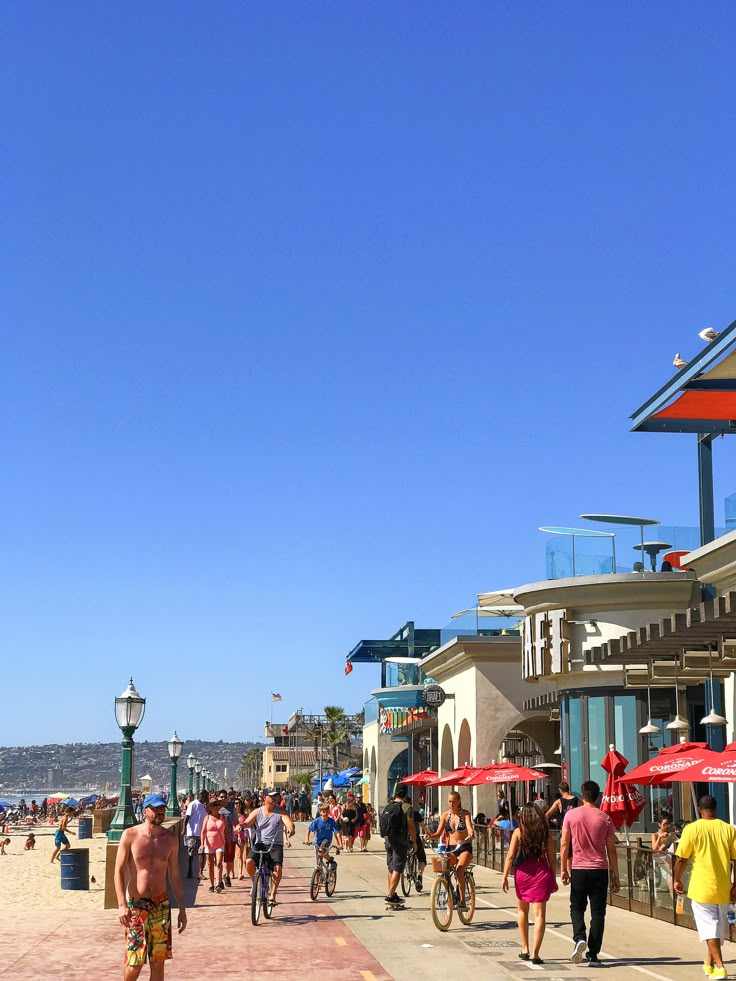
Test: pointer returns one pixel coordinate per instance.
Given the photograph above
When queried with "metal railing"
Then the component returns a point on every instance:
(646, 877)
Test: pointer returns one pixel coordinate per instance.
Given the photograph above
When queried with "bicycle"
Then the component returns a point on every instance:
(260, 892)
(446, 897)
(410, 873)
(325, 873)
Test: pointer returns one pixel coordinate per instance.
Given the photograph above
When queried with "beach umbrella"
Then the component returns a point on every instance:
(453, 778)
(6, 803)
(70, 802)
(90, 799)
(501, 773)
(621, 802)
(364, 781)
(420, 779)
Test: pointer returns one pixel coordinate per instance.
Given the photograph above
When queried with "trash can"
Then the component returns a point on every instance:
(85, 828)
(74, 868)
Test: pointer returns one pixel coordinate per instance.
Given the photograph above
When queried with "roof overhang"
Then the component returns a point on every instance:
(701, 628)
(700, 398)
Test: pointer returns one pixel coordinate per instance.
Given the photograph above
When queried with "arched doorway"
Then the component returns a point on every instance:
(464, 744)
(447, 756)
(398, 769)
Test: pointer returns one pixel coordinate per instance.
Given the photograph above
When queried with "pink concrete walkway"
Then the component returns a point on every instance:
(305, 940)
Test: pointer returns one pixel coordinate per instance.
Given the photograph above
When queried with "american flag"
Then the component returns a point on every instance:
(275, 697)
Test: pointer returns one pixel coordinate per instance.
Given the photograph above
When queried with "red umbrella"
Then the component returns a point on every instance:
(714, 767)
(668, 761)
(501, 773)
(453, 778)
(622, 803)
(419, 779)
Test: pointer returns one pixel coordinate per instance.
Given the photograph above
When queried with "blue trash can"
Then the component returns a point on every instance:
(85, 828)
(74, 868)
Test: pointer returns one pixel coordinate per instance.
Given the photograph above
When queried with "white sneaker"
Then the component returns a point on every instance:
(578, 951)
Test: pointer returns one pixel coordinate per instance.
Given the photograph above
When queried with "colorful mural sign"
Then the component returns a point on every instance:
(390, 719)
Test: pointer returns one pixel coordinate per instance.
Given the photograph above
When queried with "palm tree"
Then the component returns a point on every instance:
(337, 730)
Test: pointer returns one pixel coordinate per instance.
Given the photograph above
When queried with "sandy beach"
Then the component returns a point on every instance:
(29, 880)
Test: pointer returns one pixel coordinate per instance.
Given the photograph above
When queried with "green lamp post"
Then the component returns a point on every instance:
(191, 760)
(175, 747)
(129, 710)
(198, 774)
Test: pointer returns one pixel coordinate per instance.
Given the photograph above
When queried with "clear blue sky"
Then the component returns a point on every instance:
(312, 313)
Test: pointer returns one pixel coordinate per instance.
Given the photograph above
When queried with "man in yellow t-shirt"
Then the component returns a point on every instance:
(712, 846)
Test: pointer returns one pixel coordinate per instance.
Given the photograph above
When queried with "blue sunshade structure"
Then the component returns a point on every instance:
(580, 533)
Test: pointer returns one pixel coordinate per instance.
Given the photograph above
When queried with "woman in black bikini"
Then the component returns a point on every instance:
(457, 824)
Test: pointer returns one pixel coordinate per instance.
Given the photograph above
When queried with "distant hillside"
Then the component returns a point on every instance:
(78, 765)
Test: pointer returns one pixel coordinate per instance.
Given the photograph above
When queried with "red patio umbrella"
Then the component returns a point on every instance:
(501, 773)
(669, 760)
(621, 802)
(714, 767)
(419, 779)
(453, 778)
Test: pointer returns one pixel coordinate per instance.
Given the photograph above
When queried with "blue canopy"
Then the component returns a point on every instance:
(354, 771)
(70, 802)
(90, 799)
(6, 803)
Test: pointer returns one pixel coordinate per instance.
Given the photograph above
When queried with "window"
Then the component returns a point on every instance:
(281, 767)
(575, 776)
(597, 747)
(625, 727)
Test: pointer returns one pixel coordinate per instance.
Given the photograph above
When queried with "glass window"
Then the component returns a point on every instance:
(597, 748)
(625, 728)
(575, 758)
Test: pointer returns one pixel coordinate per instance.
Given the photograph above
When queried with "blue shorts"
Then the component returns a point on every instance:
(324, 845)
(60, 839)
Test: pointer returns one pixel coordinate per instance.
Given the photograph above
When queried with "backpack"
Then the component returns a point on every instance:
(392, 821)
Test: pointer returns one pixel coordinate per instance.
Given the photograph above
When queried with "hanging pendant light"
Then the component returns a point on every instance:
(678, 724)
(649, 729)
(712, 718)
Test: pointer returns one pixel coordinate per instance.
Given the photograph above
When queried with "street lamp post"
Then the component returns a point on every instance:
(191, 760)
(198, 772)
(175, 747)
(130, 708)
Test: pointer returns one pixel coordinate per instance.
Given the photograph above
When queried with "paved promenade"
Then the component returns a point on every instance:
(349, 937)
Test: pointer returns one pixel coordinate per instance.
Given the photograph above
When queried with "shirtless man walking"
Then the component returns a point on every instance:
(60, 838)
(147, 853)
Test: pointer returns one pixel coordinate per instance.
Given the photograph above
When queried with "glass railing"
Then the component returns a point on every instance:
(371, 710)
(476, 624)
(588, 557)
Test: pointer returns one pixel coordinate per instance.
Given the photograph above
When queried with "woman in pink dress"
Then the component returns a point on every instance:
(532, 856)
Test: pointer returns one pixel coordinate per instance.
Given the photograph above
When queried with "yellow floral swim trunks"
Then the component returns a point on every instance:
(149, 934)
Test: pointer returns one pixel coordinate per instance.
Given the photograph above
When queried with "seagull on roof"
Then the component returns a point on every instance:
(708, 334)
(678, 362)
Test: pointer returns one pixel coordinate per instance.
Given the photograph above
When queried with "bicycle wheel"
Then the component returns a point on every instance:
(255, 899)
(331, 879)
(407, 875)
(467, 915)
(266, 893)
(314, 885)
(441, 903)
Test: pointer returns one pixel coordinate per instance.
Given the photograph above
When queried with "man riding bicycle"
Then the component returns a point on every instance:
(268, 829)
(324, 829)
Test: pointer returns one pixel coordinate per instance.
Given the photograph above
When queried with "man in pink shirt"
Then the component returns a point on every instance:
(594, 849)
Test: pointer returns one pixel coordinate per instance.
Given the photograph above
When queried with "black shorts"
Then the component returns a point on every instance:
(421, 854)
(457, 851)
(275, 856)
(396, 852)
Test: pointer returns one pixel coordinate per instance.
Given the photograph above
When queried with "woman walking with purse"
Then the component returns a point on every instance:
(532, 856)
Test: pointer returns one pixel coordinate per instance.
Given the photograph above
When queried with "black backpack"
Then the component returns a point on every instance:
(393, 820)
